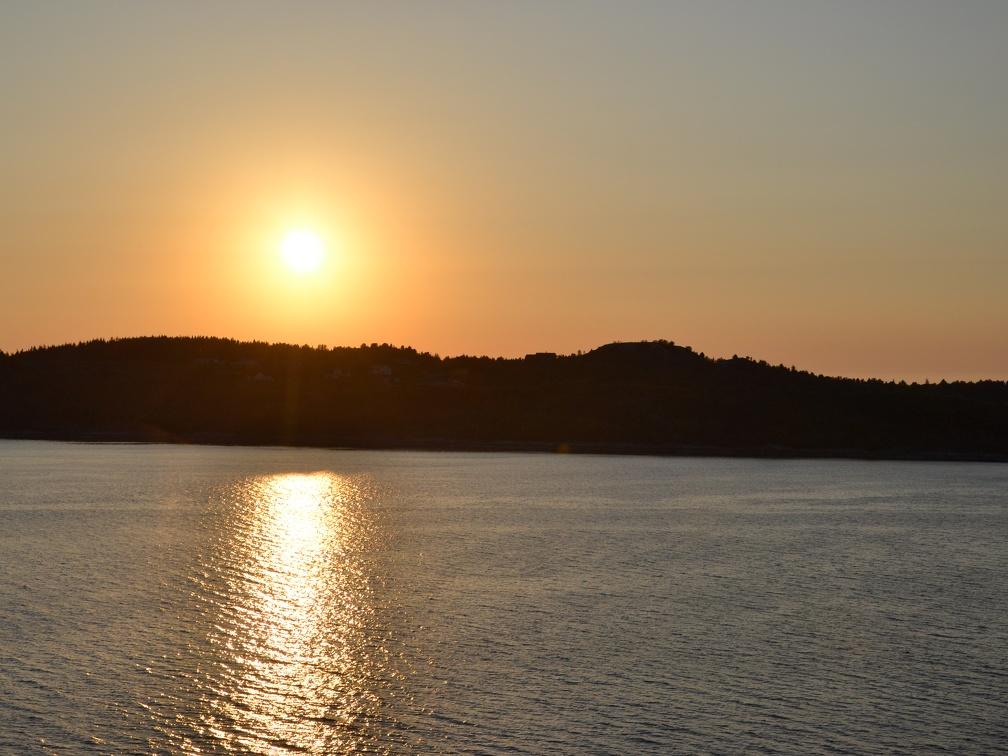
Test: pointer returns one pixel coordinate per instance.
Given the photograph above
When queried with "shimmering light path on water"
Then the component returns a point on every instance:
(180, 600)
(285, 596)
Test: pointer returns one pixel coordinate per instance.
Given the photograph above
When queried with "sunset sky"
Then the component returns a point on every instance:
(817, 184)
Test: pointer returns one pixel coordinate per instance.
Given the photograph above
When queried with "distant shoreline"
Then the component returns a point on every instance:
(641, 398)
(534, 447)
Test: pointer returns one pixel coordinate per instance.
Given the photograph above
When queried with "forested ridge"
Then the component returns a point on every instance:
(642, 397)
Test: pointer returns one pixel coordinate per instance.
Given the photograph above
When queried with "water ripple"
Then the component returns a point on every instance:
(293, 656)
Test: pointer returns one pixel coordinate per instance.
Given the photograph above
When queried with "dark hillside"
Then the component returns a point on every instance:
(650, 397)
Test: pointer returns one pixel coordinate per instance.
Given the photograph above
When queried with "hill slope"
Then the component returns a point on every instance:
(648, 397)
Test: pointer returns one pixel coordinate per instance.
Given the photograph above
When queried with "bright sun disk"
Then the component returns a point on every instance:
(302, 250)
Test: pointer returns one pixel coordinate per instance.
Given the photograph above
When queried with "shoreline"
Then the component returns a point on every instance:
(532, 447)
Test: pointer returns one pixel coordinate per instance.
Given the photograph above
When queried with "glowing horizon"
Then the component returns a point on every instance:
(813, 186)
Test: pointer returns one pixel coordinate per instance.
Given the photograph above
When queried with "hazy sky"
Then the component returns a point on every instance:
(823, 184)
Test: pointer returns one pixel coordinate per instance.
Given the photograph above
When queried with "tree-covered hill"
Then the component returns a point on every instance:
(649, 397)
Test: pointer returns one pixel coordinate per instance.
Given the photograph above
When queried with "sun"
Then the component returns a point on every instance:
(302, 249)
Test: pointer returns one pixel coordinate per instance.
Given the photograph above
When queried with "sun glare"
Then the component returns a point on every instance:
(302, 250)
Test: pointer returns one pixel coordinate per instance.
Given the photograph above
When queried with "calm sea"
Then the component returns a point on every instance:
(200, 600)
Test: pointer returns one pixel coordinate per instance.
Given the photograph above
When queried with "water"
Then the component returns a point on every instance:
(195, 600)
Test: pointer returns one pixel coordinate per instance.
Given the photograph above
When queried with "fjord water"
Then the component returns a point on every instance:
(195, 600)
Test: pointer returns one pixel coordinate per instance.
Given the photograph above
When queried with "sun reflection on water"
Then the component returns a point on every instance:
(296, 662)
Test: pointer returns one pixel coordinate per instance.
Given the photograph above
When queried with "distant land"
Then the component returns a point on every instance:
(622, 398)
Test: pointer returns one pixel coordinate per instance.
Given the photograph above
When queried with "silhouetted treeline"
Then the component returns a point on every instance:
(649, 397)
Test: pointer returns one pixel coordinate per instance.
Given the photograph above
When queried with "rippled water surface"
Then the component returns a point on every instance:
(196, 600)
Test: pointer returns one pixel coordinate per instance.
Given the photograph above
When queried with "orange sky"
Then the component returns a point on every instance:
(818, 186)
